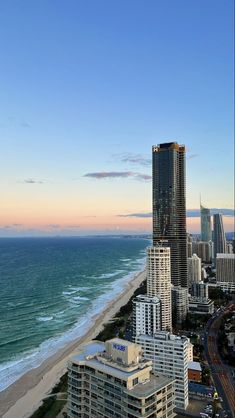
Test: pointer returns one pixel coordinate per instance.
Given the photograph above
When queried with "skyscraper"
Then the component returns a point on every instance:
(159, 281)
(194, 270)
(169, 206)
(218, 235)
(206, 234)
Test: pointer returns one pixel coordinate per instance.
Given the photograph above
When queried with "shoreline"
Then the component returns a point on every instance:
(25, 395)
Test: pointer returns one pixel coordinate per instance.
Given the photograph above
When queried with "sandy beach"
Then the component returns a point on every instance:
(24, 396)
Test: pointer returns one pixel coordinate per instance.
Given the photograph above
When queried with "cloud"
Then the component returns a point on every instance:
(72, 226)
(191, 213)
(194, 213)
(191, 156)
(118, 174)
(32, 181)
(24, 124)
(54, 226)
(128, 157)
(136, 215)
(109, 174)
(145, 177)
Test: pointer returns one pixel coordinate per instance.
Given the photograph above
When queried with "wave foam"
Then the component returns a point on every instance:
(13, 370)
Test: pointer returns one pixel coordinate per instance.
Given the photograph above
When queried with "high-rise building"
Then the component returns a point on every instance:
(206, 232)
(194, 270)
(218, 235)
(169, 206)
(229, 248)
(179, 303)
(169, 354)
(225, 271)
(114, 380)
(159, 281)
(190, 249)
(146, 318)
(203, 250)
(200, 290)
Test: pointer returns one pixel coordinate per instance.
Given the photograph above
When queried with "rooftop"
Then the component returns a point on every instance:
(150, 387)
(165, 336)
(194, 365)
(95, 356)
(224, 255)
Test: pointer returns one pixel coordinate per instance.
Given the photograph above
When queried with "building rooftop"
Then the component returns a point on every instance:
(150, 387)
(166, 336)
(194, 365)
(201, 301)
(147, 299)
(225, 255)
(94, 355)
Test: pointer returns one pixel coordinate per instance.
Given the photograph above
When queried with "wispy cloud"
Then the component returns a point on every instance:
(136, 215)
(118, 174)
(191, 213)
(31, 181)
(194, 213)
(191, 156)
(11, 121)
(54, 226)
(128, 157)
(24, 124)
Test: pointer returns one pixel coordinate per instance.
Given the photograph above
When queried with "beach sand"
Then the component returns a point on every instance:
(24, 396)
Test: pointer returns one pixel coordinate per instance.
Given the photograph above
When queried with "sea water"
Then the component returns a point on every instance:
(50, 288)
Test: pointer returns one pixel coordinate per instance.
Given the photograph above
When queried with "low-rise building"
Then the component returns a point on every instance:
(201, 306)
(112, 379)
(194, 371)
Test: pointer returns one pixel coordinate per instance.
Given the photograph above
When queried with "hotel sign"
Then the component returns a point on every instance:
(119, 347)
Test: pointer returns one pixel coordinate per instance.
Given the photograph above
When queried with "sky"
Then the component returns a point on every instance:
(87, 87)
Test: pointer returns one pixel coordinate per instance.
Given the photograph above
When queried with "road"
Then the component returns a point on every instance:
(221, 372)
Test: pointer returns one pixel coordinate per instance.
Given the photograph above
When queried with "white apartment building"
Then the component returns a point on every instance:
(146, 315)
(159, 281)
(169, 354)
(179, 303)
(225, 271)
(194, 269)
(112, 379)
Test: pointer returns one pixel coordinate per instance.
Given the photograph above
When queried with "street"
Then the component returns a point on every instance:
(220, 371)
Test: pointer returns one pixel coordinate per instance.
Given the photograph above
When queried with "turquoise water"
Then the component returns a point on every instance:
(50, 288)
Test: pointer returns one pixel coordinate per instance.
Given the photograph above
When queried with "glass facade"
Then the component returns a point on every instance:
(169, 206)
(206, 233)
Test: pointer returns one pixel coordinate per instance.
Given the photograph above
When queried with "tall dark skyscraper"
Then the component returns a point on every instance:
(169, 206)
(218, 235)
(206, 233)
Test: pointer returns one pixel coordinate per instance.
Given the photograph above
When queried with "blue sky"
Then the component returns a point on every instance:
(90, 86)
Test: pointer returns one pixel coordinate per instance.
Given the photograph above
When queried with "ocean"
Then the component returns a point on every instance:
(50, 288)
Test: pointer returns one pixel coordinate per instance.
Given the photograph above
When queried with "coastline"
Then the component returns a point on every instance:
(24, 396)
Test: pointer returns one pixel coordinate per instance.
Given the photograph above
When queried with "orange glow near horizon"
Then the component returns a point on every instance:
(100, 224)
